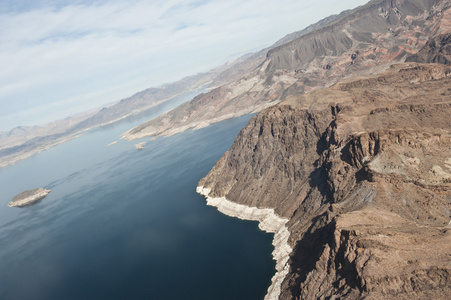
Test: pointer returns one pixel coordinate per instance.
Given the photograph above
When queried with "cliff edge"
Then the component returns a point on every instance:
(362, 171)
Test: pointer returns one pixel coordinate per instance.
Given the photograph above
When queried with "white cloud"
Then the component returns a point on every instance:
(51, 54)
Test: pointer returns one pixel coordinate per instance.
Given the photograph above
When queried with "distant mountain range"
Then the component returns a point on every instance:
(363, 41)
(23, 141)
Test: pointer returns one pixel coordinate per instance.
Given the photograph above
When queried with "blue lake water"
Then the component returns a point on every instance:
(127, 224)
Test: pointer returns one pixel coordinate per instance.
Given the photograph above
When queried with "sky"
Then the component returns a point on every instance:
(61, 57)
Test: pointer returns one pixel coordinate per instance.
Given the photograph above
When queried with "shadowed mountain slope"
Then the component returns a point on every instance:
(436, 50)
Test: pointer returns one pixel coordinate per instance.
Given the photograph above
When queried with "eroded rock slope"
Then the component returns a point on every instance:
(362, 170)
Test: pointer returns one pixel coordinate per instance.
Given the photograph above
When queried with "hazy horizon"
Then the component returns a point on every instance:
(65, 57)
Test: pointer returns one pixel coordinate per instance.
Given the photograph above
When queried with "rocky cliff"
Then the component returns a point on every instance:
(362, 171)
(360, 42)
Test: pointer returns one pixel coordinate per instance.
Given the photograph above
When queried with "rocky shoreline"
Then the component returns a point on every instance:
(268, 222)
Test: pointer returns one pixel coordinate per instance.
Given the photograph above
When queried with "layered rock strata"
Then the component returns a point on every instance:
(28, 197)
(362, 170)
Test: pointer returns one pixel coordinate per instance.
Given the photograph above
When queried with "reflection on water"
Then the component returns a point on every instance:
(127, 224)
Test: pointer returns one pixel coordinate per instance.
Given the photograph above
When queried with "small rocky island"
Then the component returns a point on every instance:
(28, 197)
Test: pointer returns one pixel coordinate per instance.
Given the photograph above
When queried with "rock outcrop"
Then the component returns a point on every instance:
(362, 170)
(436, 50)
(28, 197)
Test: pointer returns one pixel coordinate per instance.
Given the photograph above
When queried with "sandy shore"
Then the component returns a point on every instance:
(268, 222)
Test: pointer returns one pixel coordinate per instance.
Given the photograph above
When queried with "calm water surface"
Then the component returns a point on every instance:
(127, 224)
